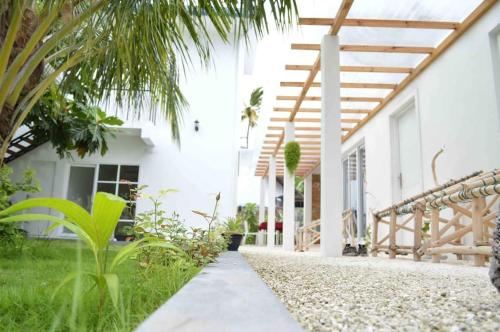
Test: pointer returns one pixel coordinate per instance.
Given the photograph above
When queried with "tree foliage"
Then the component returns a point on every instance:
(70, 124)
(251, 112)
(128, 50)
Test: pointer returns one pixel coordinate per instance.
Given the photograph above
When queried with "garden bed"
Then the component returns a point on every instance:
(29, 277)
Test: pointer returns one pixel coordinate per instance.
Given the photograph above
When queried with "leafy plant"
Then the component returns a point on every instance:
(199, 245)
(94, 230)
(210, 219)
(11, 237)
(292, 156)
(250, 112)
(234, 225)
(249, 213)
(70, 124)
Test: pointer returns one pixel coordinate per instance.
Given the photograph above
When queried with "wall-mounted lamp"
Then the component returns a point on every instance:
(196, 125)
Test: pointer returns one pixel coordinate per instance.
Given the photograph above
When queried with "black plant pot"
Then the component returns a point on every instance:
(234, 242)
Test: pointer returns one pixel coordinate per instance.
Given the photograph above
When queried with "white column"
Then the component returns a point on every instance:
(289, 197)
(262, 201)
(308, 200)
(331, 173)
(271, 204)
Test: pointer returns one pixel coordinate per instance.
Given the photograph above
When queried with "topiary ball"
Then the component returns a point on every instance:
(292, 156)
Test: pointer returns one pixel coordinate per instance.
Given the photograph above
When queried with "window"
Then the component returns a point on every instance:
(354, 171)
(119, 180)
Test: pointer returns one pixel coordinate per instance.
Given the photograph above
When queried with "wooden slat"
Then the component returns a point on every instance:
(374, 23)
(298, 67)
(358, 69)
(343, 85)
(317, 98)
(368, 48)
(375, 69)
(297, 119)
(468, 22)
(302, 110)
(296, 136)
(296, 128)
(355, 111)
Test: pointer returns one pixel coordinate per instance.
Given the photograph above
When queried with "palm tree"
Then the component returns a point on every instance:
(129, 50)
(250, 113)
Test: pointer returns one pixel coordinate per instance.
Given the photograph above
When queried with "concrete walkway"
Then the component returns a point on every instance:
(226, 296)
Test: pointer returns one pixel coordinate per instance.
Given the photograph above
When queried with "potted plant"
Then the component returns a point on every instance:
(125, 233)
(234, 231)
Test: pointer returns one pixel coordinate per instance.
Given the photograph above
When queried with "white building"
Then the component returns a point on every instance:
(205, 163)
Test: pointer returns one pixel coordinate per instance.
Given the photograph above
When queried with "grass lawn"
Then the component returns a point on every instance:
(28, 278)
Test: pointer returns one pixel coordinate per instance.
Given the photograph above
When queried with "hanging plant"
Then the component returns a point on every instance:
(292, 156)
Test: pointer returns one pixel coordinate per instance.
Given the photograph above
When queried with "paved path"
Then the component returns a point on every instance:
(378, 294)
(225, 296)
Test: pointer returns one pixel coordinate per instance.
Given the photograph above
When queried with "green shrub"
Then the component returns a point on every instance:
(234, 225)
(292, 156)
(12, 237)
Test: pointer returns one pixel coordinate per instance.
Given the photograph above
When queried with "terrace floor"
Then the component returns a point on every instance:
(366, 293)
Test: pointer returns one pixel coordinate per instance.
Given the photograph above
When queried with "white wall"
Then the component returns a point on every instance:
(455, 100)
(203, 165)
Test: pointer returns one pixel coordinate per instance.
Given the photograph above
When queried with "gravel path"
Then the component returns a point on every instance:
(378, 294)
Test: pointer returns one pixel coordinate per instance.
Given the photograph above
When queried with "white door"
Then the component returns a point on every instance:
(410, 178)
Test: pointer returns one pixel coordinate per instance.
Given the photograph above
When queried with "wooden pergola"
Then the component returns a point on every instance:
(308, 119)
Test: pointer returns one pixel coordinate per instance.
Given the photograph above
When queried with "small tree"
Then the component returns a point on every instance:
(250, 113)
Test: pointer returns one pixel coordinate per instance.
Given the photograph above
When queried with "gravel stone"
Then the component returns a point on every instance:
(378, 294)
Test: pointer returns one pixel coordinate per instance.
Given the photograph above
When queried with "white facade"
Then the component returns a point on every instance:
(203, 165)
(455, 107)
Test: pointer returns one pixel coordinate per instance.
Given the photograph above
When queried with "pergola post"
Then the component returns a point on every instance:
(262, 200)
(271, 196)
(331, 173)
(307, 202)
(289, 197)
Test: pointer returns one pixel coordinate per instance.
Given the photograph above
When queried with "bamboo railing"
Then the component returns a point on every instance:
(470, 201)
(309, 235)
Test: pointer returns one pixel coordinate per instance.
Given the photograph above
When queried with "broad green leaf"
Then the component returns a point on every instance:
(46, 217)
(113, 284)
(105, 214)
(69, 277)
(71, 210)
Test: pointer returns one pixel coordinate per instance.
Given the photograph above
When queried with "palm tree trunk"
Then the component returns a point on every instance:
(248, 131)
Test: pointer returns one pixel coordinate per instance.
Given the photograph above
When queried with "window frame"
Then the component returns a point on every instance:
(96, 181)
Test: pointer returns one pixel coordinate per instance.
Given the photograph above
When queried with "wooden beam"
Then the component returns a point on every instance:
(296, 120)
(343, 85)
(317, 98)
(296, 136)
(368, 48)
(358, 69)
(296, 128)
(302, 110)
(373, 23)
(342, 12)
(355, 111)
(298, 67)
(440, 49)
(375, 69)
